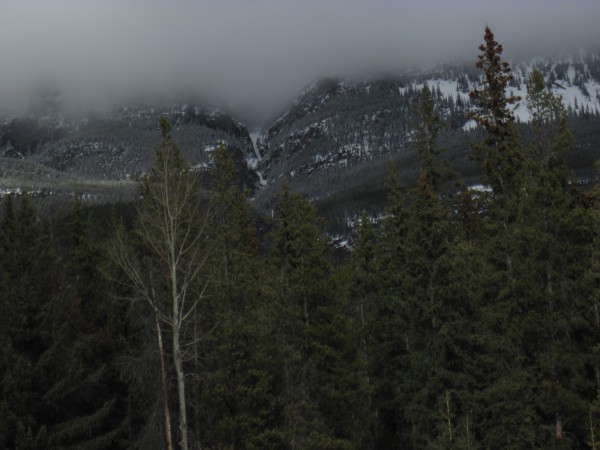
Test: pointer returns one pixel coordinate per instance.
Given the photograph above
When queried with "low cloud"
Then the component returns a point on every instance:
(255, 54)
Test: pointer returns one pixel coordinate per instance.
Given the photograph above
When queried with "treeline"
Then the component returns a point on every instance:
(466, 321)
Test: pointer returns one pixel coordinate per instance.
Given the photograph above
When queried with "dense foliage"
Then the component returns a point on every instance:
(465, 321)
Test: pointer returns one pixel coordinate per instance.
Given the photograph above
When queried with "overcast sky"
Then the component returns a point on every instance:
(255, 54)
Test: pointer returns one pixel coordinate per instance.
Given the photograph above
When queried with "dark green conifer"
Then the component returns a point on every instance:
(238, 385)
(427, 129)
(50, 382)
(438, 301)
(426, 309)
(531, 229)
(321, 378)
(499, 154)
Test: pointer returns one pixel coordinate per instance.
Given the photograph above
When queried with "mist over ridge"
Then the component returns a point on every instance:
(255, 56)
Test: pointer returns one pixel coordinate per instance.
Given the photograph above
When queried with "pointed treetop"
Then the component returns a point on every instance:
(165, 128)
(499, 153)
(427, 129)
(535, 83)
(497, 74)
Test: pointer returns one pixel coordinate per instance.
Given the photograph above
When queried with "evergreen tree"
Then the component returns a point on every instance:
(21, 301)
(558, 230)
(364, 294)
(241, 409)
(552, 138)
(504, 378)
(320, 370)
(427, 129)
(499, 154)
(530, 276)
(52, 392)
(426, 311)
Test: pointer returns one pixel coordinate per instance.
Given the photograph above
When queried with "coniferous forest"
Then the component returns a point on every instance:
(463, 319)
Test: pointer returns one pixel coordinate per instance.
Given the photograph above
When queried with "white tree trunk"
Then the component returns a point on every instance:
(172, 228)
(177, 353)
(163, 381)
(177, 360)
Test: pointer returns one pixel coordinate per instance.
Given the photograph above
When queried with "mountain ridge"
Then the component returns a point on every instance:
(340, 135)
(333, 144)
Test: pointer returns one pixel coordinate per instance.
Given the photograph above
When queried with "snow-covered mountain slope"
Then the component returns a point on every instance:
(334, 144)
(337, 139)
(575, 80)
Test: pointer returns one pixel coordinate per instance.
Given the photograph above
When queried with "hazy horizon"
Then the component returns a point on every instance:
(256, 55)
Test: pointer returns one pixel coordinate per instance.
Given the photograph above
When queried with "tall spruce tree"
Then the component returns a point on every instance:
(505, 378)
(427, 129)
(500, 152)
(240, 407)
(52, 389)
(556, 231)
(426, 312)
(320, 370)
(530, 277)
(364, 295)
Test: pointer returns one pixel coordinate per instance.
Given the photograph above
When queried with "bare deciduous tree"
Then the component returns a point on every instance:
(168, 269)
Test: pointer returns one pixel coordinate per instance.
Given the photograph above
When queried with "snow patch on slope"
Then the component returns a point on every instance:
(254, 136)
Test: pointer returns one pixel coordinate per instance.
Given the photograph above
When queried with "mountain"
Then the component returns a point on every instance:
(334, 144)
(336, 141)
(117, 145)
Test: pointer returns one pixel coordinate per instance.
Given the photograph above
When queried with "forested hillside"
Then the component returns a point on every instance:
(186, 320)
(335, 142)
(57, 151)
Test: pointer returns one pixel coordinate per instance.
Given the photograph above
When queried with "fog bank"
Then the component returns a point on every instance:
(255, 54)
